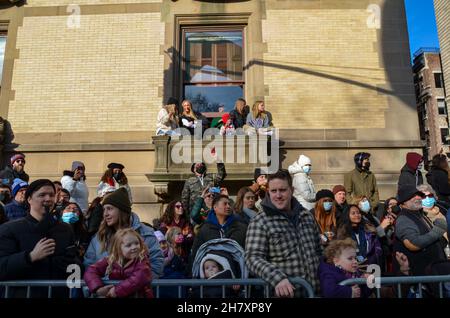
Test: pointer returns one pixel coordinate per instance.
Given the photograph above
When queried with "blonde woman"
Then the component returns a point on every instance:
(190, 119)
(259, 120)
(167, 120)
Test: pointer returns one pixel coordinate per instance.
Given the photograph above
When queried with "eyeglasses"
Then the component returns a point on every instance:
(20, 161)
(209, 196)
(178, 206)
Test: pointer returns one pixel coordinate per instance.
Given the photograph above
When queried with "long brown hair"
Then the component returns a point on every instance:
(169, 214)
(326, 220)
(105, 232)
(255, 111)
(108, 175)
(115, 253)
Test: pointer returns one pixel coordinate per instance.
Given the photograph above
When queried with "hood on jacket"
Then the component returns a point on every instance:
(413, 159)
(142, 229)
(296, 167)
(222, 261)
(212, 218)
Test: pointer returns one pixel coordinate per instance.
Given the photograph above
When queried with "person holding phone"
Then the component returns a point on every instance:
(74, 181)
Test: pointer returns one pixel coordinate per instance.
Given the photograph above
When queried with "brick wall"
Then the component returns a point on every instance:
(104, 76)
(324, 69)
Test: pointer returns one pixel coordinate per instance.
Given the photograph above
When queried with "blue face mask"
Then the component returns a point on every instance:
(328, 206)
(70, 217)
(428, 202)
(365, 206)
(306, 169)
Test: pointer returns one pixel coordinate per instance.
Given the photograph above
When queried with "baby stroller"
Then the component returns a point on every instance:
(230, 257)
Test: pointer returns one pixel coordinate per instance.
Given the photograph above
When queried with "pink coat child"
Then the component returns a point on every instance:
(227, 128)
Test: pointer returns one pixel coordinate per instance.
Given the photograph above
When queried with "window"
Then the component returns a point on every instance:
(444, 134)
(438, 80)
(2, 52)
(442, 107)
(213, 67)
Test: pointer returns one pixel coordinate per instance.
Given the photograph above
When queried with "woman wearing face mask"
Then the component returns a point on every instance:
(430, 205)
(304, 190)
(364, 206)
(325, 215)
(73, 216)
(114, 177)
(364, 234)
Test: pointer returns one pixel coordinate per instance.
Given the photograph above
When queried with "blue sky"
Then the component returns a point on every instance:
(421, 24)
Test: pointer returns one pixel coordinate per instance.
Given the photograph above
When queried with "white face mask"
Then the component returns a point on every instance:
(420, 166)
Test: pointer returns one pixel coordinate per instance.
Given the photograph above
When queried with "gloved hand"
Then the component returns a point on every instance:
(441, 224)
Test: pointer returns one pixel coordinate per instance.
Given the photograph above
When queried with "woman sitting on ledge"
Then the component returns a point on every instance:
(259, 121)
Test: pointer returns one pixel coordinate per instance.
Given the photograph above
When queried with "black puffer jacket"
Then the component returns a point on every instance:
(10, 174)
(438, 179)
(409, 176)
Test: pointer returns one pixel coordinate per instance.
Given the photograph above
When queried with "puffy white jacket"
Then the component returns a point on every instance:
(304, 190)
(79, 192)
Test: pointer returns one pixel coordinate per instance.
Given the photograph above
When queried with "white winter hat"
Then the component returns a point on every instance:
(303, 160)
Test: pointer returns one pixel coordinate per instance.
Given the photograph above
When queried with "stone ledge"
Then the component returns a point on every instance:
(134, 146)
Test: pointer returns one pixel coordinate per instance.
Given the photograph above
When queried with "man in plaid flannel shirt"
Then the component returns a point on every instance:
(283, 241)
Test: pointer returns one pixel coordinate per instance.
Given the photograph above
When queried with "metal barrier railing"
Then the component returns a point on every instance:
(399, 281)
(158, 283)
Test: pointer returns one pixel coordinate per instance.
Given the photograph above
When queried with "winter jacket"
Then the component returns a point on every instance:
(8, 175)
(19, 237)
(102, 185)
(415, 227)
(238, 119)
(186, 230)
(164, 123)
(304, 190)
(79, 192)
(259, 122)
(372, 245)
(409, 176)
(358, 183)
(199, 211)
(283, 244)
(193, 187)
(330, 276)
(135, 278)
(94, 252)
(211, 229)
(438, 179)
(15, 210)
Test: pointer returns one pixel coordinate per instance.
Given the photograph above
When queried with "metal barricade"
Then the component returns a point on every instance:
(399, 281)
(245, 284)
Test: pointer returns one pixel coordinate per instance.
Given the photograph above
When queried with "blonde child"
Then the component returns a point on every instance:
(338, 265)
(128, 262)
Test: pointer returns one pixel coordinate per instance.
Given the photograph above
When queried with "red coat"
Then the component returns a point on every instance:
(135, 278)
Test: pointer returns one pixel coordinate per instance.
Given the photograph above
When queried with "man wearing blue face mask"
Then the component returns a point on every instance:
(361, 181)
(304, 190)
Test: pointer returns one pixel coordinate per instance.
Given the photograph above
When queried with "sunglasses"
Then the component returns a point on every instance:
(178, 206)
(20, 161)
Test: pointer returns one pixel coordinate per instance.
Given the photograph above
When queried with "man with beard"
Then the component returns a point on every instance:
(18, 207)
(38, 246)
(16, 170)
(421, 240)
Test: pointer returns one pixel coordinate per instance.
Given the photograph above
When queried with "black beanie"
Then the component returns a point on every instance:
(172, 100)
(119, 199)
(258, 173)
(36, 185)
(324, 193)
(359, 158)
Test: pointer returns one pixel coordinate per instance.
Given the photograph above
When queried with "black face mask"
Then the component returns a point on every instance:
(366, 166)
(5, 198)
(118, 176)
(395, 209)
(201, 170)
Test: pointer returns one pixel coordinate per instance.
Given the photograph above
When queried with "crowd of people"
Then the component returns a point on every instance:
(275, 228)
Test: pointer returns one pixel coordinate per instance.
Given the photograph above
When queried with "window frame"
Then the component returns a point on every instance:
(224, 27)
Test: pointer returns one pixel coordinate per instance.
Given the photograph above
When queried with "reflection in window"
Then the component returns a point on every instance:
(213, 65)
(2, 53)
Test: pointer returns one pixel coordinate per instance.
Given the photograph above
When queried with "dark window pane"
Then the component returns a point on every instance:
(438, 80)
(441, 107)
(208, 98)
(213, 56)
(444, 134)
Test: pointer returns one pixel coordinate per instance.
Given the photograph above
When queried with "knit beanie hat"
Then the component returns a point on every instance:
(119, 199)
(77, 164)
(17, 185)
(17, 156)
(338, 188)
(324, 193)
(259, 172)
(359, 158)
